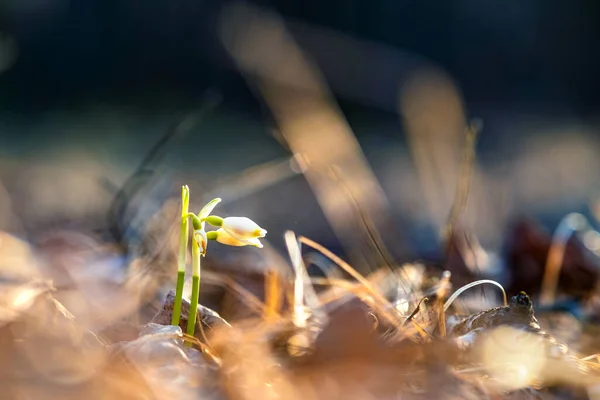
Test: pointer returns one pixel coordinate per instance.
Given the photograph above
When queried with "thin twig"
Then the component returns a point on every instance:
(415, 311)
(470, 285)
(367, 223)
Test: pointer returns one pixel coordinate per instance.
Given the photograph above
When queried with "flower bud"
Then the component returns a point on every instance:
(214, 220)
(224, 237)
(242, 228)
(200, 237)
(196, 223)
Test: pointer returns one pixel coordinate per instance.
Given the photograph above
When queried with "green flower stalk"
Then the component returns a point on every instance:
(233, 231)
(183, 244)
(198, 243)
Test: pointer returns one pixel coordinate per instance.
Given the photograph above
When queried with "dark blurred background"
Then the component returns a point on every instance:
(539, 52)
(86, 88)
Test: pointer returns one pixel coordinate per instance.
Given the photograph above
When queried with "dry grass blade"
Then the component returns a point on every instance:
(383, 306)
(273, 295)
(303, 289)
(342, 283)
(464, 181)
(367, 223)
(341, 291)
(568, 225)
(299, 315)
(595, 357)
(441, 293)
(208, 351)
(363, 293)
(469, 286)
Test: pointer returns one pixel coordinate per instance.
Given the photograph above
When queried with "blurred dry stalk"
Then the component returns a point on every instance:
(459, 205)
(435, 124)
(273, 295)
(442, 145)
(312, 125)
(571, 224)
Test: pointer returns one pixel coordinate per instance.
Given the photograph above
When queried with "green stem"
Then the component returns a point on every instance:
(178, 298)
(191, 326)
(183, 245)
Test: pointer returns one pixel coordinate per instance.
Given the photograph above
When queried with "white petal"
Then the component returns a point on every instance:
(255, 242)
(200, 237)
(225, 237)
(243, 228)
